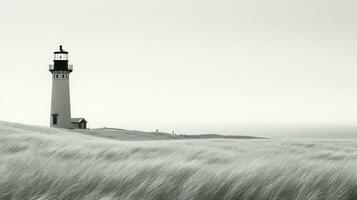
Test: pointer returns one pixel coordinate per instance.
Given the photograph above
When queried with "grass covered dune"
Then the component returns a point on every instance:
(39, 163)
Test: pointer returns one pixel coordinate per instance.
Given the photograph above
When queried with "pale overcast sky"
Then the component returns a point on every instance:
(184, 65)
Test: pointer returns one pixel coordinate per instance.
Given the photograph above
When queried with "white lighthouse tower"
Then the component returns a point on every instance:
(60, 102)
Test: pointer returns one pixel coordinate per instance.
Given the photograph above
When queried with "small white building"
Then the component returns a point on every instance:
(79, 123)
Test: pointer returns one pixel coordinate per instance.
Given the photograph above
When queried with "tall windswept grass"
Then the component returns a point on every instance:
(45, 164)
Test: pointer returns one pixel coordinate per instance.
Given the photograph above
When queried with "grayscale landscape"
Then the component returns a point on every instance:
(178, 100)
(40, 163)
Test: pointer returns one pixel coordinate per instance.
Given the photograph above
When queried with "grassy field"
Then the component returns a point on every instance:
(40, 163)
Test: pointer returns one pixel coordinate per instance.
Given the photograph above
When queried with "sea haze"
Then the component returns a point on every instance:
(285, 131)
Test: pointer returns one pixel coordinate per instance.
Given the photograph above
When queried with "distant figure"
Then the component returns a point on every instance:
(157, 130)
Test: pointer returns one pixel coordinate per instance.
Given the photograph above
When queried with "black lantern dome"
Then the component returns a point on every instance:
(60, 61)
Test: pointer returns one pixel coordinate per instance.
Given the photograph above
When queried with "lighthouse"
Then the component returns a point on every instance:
(60, 101)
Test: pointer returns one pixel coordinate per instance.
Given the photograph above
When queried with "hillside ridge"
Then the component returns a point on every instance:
(113, 133)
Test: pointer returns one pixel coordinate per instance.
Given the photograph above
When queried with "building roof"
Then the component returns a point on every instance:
(78, 120)
(61, 51)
